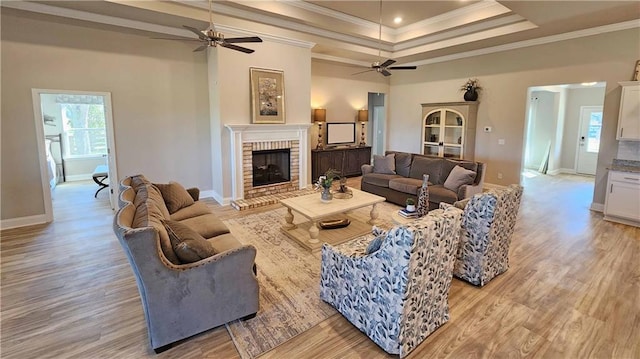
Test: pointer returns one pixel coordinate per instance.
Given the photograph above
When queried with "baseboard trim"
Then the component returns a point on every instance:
(24, 221)
(598, 207)
(628, 222)
(216, 197)
(569, 171)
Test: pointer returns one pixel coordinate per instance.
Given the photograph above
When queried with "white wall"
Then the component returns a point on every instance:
(230, 85)
(342, 94)
(505, 77)
(158, 90)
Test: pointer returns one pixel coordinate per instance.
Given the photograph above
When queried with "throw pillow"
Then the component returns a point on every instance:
(403, 163)
(458, 177)
(375, 244)
(188, 245)
(384, 164)
(175, 196)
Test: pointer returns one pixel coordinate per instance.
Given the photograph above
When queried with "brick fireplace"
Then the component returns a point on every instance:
(251, 171)
(249, 139)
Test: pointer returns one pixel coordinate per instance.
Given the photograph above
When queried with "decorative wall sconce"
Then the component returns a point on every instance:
(319, 116)
(363, 116)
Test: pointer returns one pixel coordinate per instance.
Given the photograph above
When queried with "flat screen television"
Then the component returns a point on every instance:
(341, 133)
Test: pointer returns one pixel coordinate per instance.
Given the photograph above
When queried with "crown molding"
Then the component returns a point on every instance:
(145, 26)
(340, 60)
(626, 25)
(464, 39)
(287, 24)
(466, 30)
(91, 17)
(354, 20)
(479, 11)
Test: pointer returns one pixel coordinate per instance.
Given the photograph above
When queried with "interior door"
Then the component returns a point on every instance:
(589, 139)
(378, 130)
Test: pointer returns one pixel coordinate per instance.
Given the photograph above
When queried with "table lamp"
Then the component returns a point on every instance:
(319, 116)
(363, 116)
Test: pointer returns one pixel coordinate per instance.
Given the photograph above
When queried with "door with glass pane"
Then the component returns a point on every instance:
(443, 133)
(431, 134)
(589, 139)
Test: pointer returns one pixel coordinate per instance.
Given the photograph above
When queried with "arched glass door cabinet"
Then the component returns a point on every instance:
(449, 129)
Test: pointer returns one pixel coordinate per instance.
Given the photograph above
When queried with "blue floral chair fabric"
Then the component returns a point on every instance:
(487, 226)
(397, 295)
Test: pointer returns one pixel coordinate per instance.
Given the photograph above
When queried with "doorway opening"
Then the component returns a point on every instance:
(562, 130)
(75, 138)
(376, 133)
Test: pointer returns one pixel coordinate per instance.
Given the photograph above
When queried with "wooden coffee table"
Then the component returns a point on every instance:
(310, 236)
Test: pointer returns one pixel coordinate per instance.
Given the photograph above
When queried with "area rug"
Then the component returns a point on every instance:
(289, 278)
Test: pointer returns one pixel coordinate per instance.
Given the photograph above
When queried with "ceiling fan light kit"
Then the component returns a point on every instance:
(212, 38)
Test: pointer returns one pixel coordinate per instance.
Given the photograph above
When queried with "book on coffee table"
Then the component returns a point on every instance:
(406, 214)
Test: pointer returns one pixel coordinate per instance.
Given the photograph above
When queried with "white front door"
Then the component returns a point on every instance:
(589, 139)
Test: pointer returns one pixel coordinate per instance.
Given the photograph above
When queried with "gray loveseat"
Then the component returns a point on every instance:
(182, 299)
(406, 179)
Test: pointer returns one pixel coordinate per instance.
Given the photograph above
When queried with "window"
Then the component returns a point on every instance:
(84, 129)
(593, 135)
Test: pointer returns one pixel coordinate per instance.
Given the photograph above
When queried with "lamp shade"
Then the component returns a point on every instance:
(363, 115)
(319, 115)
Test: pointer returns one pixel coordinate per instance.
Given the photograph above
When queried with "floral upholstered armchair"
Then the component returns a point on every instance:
(398, 294)
(487, 225)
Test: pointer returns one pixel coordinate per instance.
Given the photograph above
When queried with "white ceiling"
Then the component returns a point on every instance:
(349, 31)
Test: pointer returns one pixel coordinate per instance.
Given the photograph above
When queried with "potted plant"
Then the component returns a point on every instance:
(324, 183)
(411, 205)
(470, 89)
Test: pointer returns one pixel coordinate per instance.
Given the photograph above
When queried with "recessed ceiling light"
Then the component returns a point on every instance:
(397, 20)
(589, 83)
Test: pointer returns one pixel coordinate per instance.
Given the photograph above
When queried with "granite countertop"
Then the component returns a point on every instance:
(625, 166)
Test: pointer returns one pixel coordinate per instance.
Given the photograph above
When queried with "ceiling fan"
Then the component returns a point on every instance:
(383, 68)
(211, 38)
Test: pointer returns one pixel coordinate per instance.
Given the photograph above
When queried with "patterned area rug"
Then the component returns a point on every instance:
(289, 278)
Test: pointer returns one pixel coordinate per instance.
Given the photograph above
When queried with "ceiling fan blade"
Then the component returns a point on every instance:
(387, 63)
(173, 38)
(197, 32)
(201, 48)
(237, 48)
(403, 68)
(361, 72)
(235, 40)
(385, 72)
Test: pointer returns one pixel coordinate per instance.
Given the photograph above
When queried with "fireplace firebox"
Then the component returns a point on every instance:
(271, 166)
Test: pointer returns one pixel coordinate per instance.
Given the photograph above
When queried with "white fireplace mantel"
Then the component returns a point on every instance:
(246, 133)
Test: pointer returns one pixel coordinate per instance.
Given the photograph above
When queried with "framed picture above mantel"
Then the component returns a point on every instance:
(267, 96)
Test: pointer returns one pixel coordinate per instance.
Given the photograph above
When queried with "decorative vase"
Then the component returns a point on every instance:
(326, 195)
(471, 95)
(423, 196)
(411, 208)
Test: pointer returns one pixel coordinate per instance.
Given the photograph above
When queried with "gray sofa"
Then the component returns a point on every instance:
(182, 299)
(406, 179)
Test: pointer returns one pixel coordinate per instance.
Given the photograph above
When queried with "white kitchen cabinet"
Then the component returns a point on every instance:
(622, 203)
(449, 129)
(629, 116)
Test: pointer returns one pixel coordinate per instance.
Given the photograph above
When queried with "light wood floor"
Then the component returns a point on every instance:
(573, 290)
